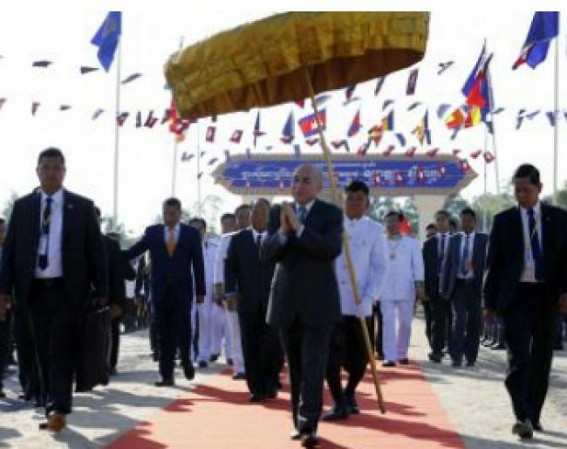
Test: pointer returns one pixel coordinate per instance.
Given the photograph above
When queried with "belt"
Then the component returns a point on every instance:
(48, 282)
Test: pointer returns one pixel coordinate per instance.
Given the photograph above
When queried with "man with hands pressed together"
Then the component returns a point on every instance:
(304, 301)
(526, 285)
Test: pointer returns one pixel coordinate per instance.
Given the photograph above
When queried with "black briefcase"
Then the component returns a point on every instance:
(93, 350)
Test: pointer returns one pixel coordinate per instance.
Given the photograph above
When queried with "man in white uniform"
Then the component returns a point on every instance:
(242, 213)
(203, 314)
(402, 280)
(347, 346)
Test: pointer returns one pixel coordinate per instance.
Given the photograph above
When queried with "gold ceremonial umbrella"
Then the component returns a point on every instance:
(292, 56)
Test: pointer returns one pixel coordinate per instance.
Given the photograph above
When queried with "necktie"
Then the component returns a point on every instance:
(43, 260)
(171, 241)
(259, 240)
(536, 249)
(464, 262)
(301, 214)
(441, 254)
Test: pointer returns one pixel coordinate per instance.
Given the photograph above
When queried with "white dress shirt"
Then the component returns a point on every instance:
(166, 233)
(54, 247)
(404, 267)
(255, 235)
(528, 273)
(210, 248)
(366, 242)
(462, 262)
(220, 256)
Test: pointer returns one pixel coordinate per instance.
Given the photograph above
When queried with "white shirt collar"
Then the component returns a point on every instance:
(472, 234)
(256, 233)
(536, 208)
(176, 228)
(57, 197)
(352, 221)
(307, 206)
(440, 235)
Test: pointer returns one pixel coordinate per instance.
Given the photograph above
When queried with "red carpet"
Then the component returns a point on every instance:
(218, 415)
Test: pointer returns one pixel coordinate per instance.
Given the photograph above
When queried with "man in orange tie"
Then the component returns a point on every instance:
(177, 259)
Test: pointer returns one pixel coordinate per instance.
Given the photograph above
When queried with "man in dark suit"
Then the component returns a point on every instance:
(52, 258)
(437, 310)
(248, 279)
(175, 248)
(304, 302)
(461, 285)
(525, 284)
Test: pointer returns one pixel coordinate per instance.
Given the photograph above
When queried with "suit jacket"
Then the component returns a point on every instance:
(505, 261)
(431, 265)
(175, 270)
(452, 263)
(118, 271)
(247, 274)
(83, 260)
(304, 284)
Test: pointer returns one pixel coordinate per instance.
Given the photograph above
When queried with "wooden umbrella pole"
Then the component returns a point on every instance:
(346, 246)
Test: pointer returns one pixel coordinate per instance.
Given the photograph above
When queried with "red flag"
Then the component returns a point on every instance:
(309, 124)
(410, 152)
(433, 152)
(211, 131)
(389, 150)
(488, 157)
(363, 148)
(121, 119)
(405, 226)
(464, 166)
(476, 154)
(236, 136)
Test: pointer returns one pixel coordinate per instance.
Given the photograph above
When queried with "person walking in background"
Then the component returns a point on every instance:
(526, 283)
(52, 258)
(177, 258)
(461, 285)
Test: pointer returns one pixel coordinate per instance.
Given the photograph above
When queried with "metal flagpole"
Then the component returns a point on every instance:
(198, 169)
(556, 127)
(484, 211)
(117, 135)
(494, 147)
(175, 145)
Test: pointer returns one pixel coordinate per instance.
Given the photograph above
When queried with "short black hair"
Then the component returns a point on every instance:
(470, 212)
(528, 171)
(241, 207)
(357, 186)
(227, 215)
(431, 226)
(198, 220)
(172, 202)
(445, 213)
(50, 153)
(395, 213)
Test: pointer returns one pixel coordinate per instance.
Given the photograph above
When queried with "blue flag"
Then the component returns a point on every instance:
(545, 26)
(107, 37)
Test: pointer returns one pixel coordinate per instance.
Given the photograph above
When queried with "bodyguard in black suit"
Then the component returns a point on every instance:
(177, 257)
(525, 284)
(461, 285)
(248, 278)
(437, 309)
(304, 302)
(53, 258)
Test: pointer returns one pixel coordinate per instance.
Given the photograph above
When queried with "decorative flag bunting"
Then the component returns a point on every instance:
(186, 157)
(433, 152)
(312, 142)
(421, 131)
(379, 84)
(211, 132)
(349, 91)
(43, 63)
(444, 66)
(2, 101)
(476, 154)
(456, 119)
(363, 148)
(552, 117)
(414, 105)
(121, 118)
(412, 82)
(401, 139)
(213, 160)
(355, 125)
(488, 157)
(107, 38)
(35, 107)
(288, 132)
(236, 136)
(388, 151)
(150, 120)
(227, 155)
(257, 132)
(442, 110)
(308, 124)
(131, 78)
(544, 27)
(297, 150)
(386, 104)
(138, 119)
(456, 152)
(375, 134)
(320, 100)
(85, 69)
(497, 111)
(97, 114)
(410, 152)
(64, 107)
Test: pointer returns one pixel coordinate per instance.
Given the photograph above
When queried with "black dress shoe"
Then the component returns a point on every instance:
(336, 414)
(2, 394)
(257, 397)
(272, 392)
(523, 429)
(351, 405)
(456, 364)
(203, 364)
(165, 383)
(230, 362)
(388, 364)
(538, 427)
(155, 356)
(403, 361)
(213, 357)
(295, 434)
(435, 357)
(471, 363)
(239, 376)
(309, 439)
(189, 370)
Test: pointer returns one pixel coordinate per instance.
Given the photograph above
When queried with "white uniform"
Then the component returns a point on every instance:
(404, 267)
(366, 242)
(206, 309)
(231, 316)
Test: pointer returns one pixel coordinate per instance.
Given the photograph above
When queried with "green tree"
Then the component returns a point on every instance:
(488, 205)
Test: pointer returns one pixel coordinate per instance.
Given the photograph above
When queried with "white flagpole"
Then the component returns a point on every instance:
(198, 168)
(494, 148)
(175, 145)
(117, 134)
(556, 127)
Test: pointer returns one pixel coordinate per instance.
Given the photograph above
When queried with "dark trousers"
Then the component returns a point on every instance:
(5, 345)
(467, 318)
(306, 348)
(173, 325)
(440, 323)
(56, 331)
(25, 349)
(153, 328)
(347, 350)
(529, 333)
(428, 320)
(262, 352)
(377, 329)
(114, 343)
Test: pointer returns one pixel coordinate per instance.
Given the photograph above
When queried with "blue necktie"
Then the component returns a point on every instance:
(536, 249)
(301, 214)
(441, 255)
(464, 268)
(43, 260)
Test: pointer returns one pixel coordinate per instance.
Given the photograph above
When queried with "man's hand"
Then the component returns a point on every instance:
(115, 311)
(420, 291)
(284, 224)
(4, 306)
(489, 315)
(219, 300)
(563, 304)
(292, 220)
(231, 300)
(200, 299)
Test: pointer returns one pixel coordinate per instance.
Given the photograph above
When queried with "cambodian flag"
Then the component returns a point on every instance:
(309, 126)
